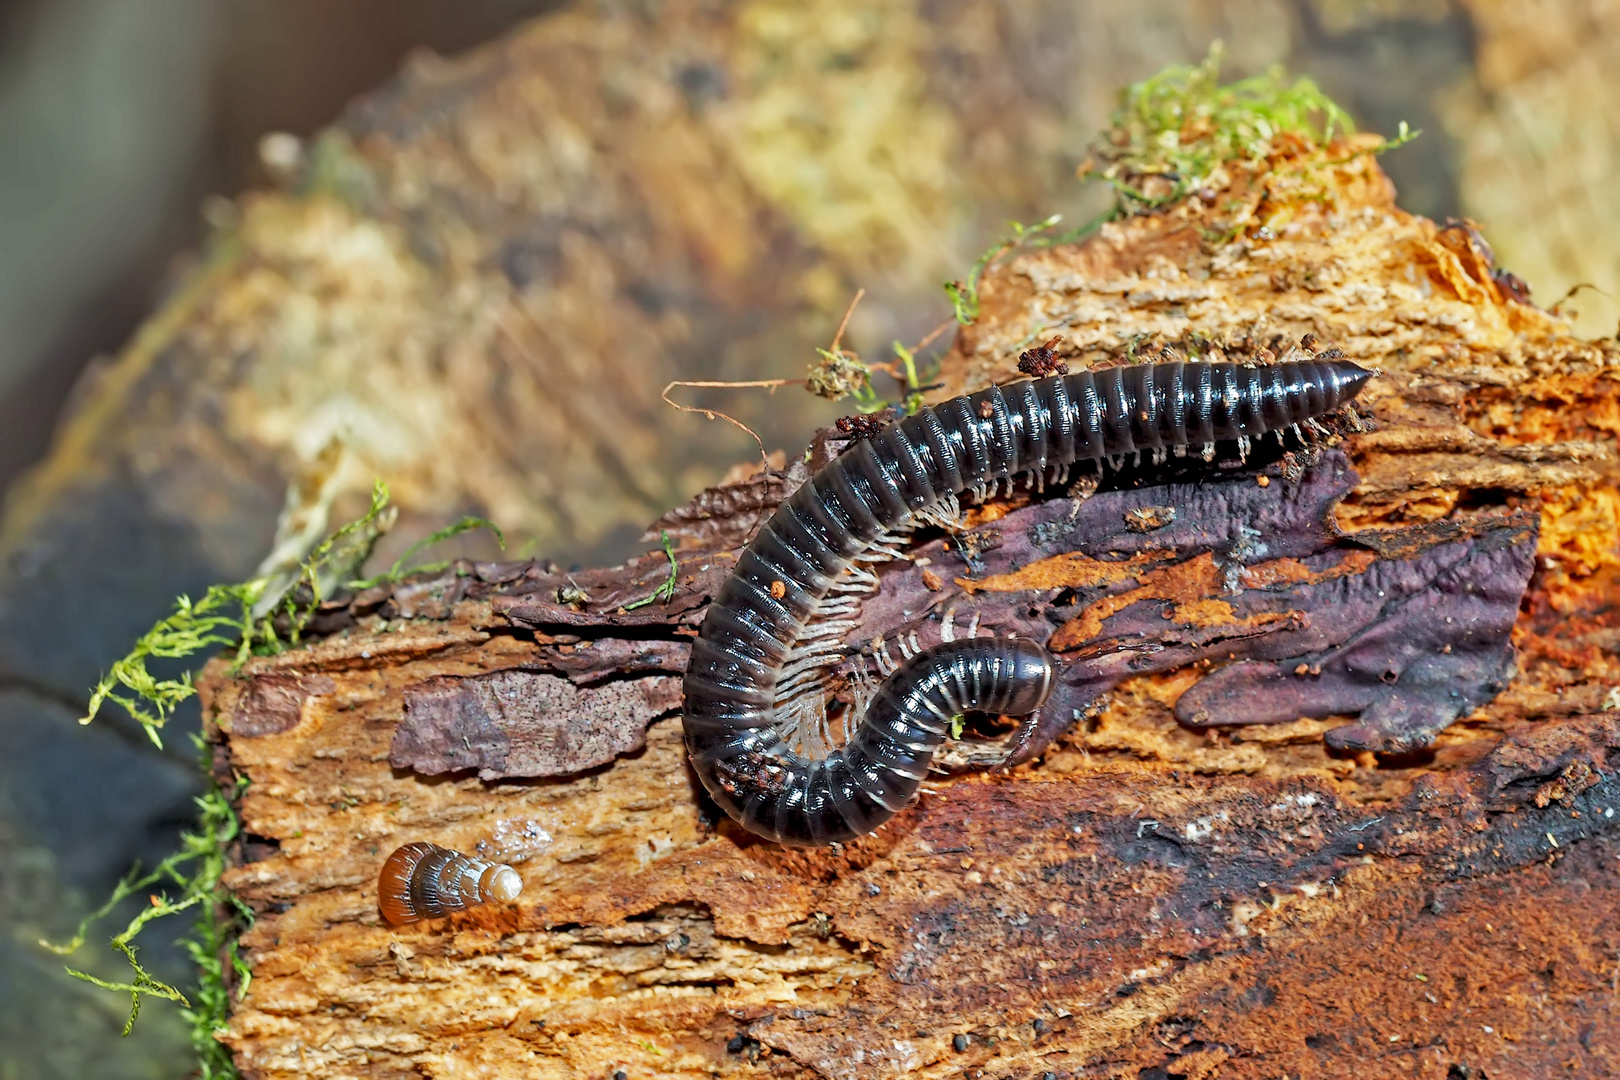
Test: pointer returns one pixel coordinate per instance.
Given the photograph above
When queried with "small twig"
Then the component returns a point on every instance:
(843, 323)
(889, 368)
(714, 414)
(933, 335)
(1570, 295)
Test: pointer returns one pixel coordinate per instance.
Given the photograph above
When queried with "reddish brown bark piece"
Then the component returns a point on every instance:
(611, 598)
(590, 661)
(1409, 644)
(524, 723)
(1319, 624)
(274, 703)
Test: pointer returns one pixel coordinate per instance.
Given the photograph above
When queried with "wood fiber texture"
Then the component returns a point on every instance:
(1145, 898)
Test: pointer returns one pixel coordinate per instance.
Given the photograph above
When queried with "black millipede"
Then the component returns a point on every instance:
(876, 485)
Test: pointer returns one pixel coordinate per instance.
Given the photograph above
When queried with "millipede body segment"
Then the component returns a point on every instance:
(732, 733)
(425, 881)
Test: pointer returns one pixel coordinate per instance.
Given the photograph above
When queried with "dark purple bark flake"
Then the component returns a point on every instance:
(1410, 644)
(1409, 627)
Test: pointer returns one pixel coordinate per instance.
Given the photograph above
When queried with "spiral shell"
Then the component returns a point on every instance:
(424, 881)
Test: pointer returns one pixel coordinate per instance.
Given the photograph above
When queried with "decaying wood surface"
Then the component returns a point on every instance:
(1219, 870)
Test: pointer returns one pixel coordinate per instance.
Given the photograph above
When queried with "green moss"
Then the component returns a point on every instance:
(224, 615)
(1183, 126)
(665, 591)
(193, 873)
(842, 373)
(839, 373)
(264, 616)
(910, 378)
(402, 567)
(1173, 134)
(260, 617)
(964, 293)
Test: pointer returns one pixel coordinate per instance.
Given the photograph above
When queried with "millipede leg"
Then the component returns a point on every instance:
(1025, 732)
(880, 653)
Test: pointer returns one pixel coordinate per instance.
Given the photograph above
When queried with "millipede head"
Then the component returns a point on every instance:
(425, 881)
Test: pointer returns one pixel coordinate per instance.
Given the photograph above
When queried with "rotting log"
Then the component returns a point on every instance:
(1410, 866)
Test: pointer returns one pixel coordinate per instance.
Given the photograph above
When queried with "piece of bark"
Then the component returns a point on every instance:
(275, 703)
(525, 723)
(1408, 627)
(1146, 898)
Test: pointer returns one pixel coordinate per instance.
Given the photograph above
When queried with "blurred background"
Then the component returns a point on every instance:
(120, 119)
(256, 253)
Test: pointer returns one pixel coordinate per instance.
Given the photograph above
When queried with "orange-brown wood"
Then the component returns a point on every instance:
(1145, 899)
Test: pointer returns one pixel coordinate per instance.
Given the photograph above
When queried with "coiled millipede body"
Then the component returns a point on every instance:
(733, 726)
(425, 881)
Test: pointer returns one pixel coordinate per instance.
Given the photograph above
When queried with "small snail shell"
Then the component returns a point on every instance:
(424, 881)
